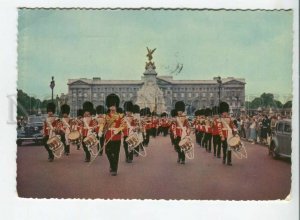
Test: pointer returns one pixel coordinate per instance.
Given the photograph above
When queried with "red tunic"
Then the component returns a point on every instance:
(164, 123)
(215, 130)
(132, 123)
(223, 129)
(92, 125)
(154, 123)
(178, 130)
(46, 127)
(114, 121)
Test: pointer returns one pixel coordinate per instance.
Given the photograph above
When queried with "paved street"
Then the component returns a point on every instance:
(157, 176)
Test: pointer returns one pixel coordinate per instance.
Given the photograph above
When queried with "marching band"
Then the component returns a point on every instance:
(97, 131)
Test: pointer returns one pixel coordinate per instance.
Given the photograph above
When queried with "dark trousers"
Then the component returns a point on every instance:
(128, 155)
(153, 132)
(66, 147)
(112, 151)
(165, 131)
(207, 141)
(86, 150)
(146, 137)
(101, 141)
(50, 153)
(199, 138)
(226, 154)
(181, 154)
(217, 145)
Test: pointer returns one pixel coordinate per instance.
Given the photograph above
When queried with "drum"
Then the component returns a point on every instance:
(90, 141)
(74, 137)
(54, 143)
(186, 144)
(133, 140)
(234, 142)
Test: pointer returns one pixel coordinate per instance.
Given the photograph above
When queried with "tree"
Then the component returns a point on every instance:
(288, 104)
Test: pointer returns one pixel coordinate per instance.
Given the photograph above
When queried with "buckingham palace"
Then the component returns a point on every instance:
(195, 93)
(158, 92)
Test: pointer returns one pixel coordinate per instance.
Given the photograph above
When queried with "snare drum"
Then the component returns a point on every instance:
(234, 142)
(74, 137)
(133, 140)
(90, 141)
(185, 144)
(54, 143)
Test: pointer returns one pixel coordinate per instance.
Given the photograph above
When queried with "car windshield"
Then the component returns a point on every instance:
(34, 120)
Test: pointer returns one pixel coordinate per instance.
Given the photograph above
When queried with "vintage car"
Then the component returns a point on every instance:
(32, 130)
(281, 140)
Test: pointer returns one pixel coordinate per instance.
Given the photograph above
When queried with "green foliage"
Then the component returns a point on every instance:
(266, 100)
(27, 105)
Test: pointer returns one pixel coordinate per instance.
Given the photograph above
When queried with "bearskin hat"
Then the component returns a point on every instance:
(93, 112)
(215, 110)
(51, 107)
(147, 111)
(88, 107)
(112, 100)
(136, 109)
(100, 109)
(120, 110)
(224, 107)
(142, 112)
(180, 106)
(153, 113)
(173, 112)
(208, 112)
(164, 114)
(65, 109)
(128, 106)
(202, 112)
(197, 112)
(80, 113)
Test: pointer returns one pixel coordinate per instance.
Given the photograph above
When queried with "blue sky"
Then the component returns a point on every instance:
(111, 44)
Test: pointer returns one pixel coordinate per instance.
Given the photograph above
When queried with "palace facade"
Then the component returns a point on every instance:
(196, 94)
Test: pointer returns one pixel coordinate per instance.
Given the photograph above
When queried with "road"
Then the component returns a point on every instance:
(156, 176)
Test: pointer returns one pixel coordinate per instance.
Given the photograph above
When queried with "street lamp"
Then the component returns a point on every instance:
(219, 80)
(52, 85)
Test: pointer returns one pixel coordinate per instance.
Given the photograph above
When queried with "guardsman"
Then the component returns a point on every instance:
(49, 129)
(181, 129)
(113, 125)
(172, 134)
(89, 126)
(147, 125)
(208, 130)
(128, 130)
(201, 127)
(215, 132)
(100, 120)
(154, 124)
(224, 128)
(164, 124)
(196, 125)
(77, 125)
(66, 127)
(137, 118)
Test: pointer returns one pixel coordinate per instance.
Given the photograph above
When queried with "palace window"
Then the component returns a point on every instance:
(190, 95)
(182, 95)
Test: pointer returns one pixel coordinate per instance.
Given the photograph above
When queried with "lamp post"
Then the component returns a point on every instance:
(219, 80)
(52, 85)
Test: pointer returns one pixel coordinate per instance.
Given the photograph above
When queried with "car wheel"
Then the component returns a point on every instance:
(272, 151)
(19, 142)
